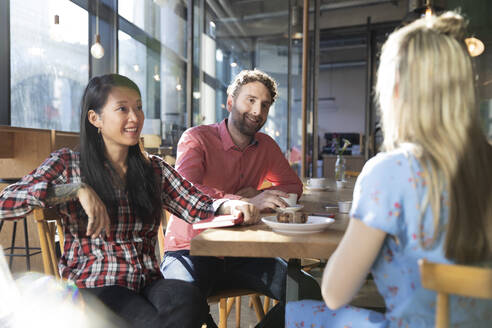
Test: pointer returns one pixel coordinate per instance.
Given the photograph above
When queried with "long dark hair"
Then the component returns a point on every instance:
(142, 184)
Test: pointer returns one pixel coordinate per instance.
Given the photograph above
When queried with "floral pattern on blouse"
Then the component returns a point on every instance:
(388, 195)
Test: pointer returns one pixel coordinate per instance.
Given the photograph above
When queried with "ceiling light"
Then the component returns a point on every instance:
(219, 55)
(475, 46)
(56, 32)
(179, 87)
(296, 26)
(156, 74)
(97, 50)
(428, 12)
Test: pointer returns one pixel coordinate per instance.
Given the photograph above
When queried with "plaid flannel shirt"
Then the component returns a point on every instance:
(125, 258)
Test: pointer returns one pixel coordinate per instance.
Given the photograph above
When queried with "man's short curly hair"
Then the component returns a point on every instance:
(248, 76)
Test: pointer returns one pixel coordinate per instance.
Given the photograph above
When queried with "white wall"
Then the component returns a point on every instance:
(348, 88)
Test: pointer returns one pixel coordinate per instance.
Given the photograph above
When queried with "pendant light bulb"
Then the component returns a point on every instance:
(55, 32)
(475, 46)
(97, 50)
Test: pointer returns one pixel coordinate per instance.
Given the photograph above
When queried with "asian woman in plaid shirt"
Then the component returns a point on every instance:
(110, 196)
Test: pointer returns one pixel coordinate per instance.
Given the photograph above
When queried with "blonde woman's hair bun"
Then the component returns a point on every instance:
(451, 23)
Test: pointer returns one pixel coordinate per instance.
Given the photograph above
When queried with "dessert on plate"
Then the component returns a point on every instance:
(291, 217)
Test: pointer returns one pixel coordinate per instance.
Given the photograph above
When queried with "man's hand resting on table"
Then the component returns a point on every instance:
(268, 199)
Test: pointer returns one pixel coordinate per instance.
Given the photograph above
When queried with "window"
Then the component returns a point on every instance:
(133, 64)
(231, 44)
(46, 88)
(155, 59)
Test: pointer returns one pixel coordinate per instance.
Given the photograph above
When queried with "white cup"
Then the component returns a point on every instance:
(291, 200)
(340, 184)
(344, 207)
(316, 183)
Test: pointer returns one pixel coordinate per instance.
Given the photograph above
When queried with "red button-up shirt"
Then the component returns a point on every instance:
(127, 257)
(209, 159)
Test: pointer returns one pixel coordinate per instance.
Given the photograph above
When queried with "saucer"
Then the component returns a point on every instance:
(313, 224)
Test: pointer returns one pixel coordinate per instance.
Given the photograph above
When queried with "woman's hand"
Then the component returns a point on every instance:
(238, 208)
(95, 210)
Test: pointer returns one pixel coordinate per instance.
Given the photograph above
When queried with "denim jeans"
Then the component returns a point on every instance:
(163, 303)
(263, 275)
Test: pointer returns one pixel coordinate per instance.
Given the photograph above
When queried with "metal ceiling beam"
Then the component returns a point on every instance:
(326, 7)
(234, 28)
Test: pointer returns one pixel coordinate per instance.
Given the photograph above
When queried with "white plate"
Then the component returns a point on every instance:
(313, 224)
(318, 189)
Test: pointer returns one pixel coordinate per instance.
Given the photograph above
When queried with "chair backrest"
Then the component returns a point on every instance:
(160, 234)
(46, 219)
(448, 279)
(354, 174)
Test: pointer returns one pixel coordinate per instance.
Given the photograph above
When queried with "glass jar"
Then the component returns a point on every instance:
(340, 168)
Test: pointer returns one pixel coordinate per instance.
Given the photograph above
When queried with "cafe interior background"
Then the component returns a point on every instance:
(184, 53)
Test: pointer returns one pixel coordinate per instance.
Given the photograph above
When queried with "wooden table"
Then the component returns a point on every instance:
(260, 241)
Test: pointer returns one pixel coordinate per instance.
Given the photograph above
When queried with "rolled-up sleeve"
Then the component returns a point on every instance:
(18, 199)
(183, 199)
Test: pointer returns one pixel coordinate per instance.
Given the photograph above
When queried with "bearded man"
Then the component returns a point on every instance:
(231, 159)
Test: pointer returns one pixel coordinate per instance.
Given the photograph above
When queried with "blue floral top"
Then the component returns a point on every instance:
(388, 196)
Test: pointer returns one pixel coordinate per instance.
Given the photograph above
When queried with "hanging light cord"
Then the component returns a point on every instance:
(97, 17)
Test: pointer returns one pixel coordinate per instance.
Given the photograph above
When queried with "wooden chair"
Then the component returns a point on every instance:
(226, 298)
(48, 220)
(448, 279)
(15, 250)
(354, 174)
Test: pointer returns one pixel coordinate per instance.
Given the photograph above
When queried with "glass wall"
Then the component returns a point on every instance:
(133, 63)
(50, 65)
(46, 88)
(230, 43)
(153, 54)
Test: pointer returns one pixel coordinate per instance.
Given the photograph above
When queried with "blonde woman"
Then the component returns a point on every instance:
(427, 196)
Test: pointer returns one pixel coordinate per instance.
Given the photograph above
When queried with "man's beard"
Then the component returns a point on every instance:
(243, 125)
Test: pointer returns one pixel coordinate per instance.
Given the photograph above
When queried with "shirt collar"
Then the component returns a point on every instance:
(226, 138)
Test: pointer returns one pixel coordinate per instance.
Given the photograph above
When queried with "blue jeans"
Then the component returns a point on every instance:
(263, 275)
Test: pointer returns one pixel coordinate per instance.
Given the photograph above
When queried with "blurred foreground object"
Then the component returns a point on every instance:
(37, 300)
